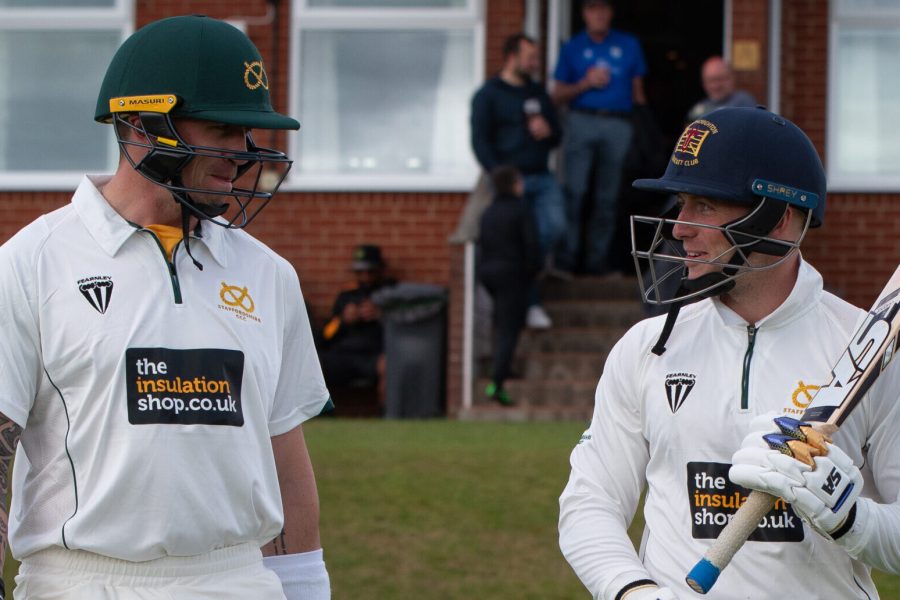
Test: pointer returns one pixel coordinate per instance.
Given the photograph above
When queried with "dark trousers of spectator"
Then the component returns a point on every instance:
(510, 292)
(595, 145)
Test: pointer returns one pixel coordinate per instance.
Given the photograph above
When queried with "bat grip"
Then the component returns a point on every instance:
(704, 574)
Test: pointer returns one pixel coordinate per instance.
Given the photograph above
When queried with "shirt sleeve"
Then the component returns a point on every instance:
(565, 70)
(21, 366)
(640, 63)
(879, 544)
(607, 478)
(481, 130)
(301, 393)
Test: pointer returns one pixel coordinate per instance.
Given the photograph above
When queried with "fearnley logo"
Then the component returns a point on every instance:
(238, 301)
(255, 75)
(687, 150)
(678, 388)
(97, 290)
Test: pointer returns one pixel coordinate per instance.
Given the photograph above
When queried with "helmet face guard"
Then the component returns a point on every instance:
(662, 266)
(167, 156)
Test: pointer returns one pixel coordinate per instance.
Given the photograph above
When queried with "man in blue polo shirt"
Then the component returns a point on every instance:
(600, 77)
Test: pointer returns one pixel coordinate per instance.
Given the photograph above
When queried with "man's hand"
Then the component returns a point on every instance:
(650, 592)
(597, 77)
(350, 313)
(539, 128)
(787, 458)
(368, 311)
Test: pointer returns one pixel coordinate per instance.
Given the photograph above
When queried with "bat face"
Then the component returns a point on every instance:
(871, 349)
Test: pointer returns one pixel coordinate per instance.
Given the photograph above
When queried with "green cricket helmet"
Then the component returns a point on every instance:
(194, 67)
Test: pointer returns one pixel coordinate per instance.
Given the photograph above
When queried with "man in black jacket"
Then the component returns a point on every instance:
(514, 123)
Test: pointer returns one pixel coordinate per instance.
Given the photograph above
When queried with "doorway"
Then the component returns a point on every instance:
(676, 37)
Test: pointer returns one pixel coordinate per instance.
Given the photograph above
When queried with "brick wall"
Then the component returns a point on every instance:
(750, 23)
(859, 247)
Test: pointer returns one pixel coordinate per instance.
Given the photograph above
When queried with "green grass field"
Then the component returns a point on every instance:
(445, 510)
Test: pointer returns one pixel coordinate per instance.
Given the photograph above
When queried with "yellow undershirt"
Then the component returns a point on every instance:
(168, 236)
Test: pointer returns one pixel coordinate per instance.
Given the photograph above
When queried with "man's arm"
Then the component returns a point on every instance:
(9, 440)
(299, 496)
(563, 93)
(637, 91)
(295, 555)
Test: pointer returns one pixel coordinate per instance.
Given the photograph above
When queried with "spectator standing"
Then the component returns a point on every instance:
(508, 261)
(514, 122)
(719, 84)
(599, 76)
(353, 339)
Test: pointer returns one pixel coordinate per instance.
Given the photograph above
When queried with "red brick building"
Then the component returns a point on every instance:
(823, 65)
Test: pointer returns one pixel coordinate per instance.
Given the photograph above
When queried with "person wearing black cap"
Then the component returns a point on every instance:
(680, 392)
(599, 76)
(159, 361)
(353, 339)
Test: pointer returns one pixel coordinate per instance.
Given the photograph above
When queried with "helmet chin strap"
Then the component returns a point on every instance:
(209, 210)
(715, 284)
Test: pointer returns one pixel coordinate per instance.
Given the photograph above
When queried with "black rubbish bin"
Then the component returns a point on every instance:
(415, 326)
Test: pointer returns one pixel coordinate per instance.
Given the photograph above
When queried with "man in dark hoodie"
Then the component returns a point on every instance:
(509, 258)
(514, 122)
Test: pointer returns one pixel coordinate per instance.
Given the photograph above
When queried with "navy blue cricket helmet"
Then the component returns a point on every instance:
(747, 156)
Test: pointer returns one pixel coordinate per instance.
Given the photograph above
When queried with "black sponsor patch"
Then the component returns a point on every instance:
(714, 499)
(184, 387)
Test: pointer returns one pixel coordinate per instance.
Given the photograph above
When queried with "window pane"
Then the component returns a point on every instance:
(47, 107)
(862, 7)
(386, 102)
(56, 3)
(867, 100)
(388, 3)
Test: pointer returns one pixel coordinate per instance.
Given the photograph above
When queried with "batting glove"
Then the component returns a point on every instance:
(786, 458)
(649, 592)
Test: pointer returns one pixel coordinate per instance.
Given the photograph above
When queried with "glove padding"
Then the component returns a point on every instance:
(821, 493)
(650, 592)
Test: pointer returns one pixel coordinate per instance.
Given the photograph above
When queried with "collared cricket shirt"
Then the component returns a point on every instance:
(674, 421)
(148, 390)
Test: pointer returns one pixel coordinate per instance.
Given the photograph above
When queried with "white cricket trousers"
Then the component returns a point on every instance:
(235, 573)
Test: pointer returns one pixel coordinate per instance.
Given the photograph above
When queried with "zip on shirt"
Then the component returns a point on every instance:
(173, 271)
(745, 378)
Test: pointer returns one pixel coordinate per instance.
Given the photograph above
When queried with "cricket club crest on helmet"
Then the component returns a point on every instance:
(194, 67)
(746, 156)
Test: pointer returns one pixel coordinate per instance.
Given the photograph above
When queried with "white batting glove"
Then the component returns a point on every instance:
(650, 592)
(816, 477)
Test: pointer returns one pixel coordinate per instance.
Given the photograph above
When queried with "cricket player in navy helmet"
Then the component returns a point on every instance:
(158, 361)
(686, 398)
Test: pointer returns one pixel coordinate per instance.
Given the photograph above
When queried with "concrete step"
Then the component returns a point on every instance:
(563, 366)
(610, 287)
(570, 339)
(594, 313)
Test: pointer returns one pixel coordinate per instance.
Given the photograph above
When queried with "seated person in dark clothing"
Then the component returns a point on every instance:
(509, 258)
(353, 339)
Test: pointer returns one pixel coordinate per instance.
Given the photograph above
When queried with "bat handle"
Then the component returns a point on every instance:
(704, 574)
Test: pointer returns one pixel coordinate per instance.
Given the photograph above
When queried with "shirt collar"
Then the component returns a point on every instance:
(110, 230)
(805, 295)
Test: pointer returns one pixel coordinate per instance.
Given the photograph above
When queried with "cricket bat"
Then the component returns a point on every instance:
(871, 348)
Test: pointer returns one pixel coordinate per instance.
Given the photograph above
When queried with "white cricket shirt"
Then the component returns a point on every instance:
(148, 394)
(674, 421)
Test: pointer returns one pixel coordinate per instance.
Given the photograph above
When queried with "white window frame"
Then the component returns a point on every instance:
(886, 19)
(306, 18)
(119, 16)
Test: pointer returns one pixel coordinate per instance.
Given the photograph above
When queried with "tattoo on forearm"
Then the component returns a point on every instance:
(9, 439)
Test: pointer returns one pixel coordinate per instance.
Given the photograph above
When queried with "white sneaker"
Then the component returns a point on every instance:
(538, 318)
